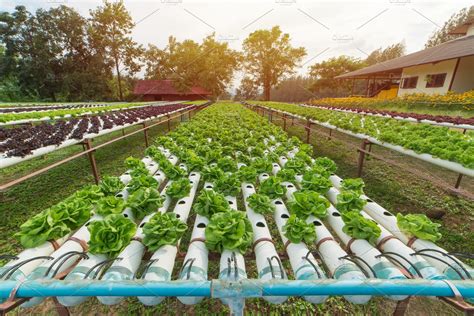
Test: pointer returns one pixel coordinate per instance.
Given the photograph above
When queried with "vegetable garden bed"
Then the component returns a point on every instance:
(226, 153)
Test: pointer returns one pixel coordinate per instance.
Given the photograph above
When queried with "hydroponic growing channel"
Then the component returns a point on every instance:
(121, 238)
(26, 142)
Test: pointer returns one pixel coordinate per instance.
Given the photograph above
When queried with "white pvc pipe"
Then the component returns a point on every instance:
(331, 253)
(382, 267)
(165, 256)
(264, 249)
(302, 261)
(45, 249)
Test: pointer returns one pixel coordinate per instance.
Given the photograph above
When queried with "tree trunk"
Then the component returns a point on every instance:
(266, 91)
(118, 78)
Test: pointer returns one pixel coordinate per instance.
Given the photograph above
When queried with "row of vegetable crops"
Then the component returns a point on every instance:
(59, 112)
(437, 141)
(446, 120)
(206, 166)
(19, 142)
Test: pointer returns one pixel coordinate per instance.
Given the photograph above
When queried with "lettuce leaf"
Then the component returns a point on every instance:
(110, 235)
(316, 182)
(229, 230)
(110, 205)
(305, 203)
(359, 227)
(179, 188)
(419, 226)
(348, 201)
(111, 185)
(355, 185)
(297, 230)
(261, 204)
(163, 229)
(144, 201)
(210, 202)
(273, 188)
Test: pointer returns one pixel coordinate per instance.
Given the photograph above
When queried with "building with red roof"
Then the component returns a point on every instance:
(164, 90)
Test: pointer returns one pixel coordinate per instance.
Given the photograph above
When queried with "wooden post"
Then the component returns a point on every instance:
(95, 171)
(360, 162)
(401, 307)
(145, 133)
(308, 131)
(458, 181)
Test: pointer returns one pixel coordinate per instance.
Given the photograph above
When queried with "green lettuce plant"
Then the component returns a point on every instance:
(179, 188)
(261, 204)
(297, 230)
(228, 184)
(163, 229)
(273, 188)
(144, 201)
(306, 203)
(262, 165)
(110, 235)
(211, 174)
(247, 174)
(142, 181)
(286, 175)
(210, 202)
(348, 201)
(110, 205)
(227, 164)
(111, 185)
(54, 222)
(316, 182)
(296, 164)
(326, 163)
(355, 185)
(419, 226)
(359, 227)
(229, 230)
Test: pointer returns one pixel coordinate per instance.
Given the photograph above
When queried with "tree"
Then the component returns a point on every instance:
(380, 55)
(324, 72)
(442, 35)
(48, 56)
(210, 64)
(294, 89)
(248, 90)
(269, 58)
(110, 29)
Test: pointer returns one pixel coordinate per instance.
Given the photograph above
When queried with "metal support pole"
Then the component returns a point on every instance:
(360, 162)
(169, 123)
(95, 171)
(284, 122)
(308, 131)
(181, 117)
(292, 121)
(458, 181)
(271, 116)
(370, 147)
(145, 133)
(401, 307)
(330, 134)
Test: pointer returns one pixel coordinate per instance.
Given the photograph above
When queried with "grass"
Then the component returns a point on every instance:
(395, 190)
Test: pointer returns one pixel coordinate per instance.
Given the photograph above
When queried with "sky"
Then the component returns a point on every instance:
(325, 28)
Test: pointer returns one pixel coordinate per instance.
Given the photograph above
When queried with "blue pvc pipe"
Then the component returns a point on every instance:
(243, 288)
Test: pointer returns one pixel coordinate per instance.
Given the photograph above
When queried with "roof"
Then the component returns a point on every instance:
(460, 47)
(143, 87)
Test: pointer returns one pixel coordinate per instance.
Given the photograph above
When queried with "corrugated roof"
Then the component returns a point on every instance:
(144, 87)
(460, 47)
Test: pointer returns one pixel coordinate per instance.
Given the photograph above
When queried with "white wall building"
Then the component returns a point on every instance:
(436, 70)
